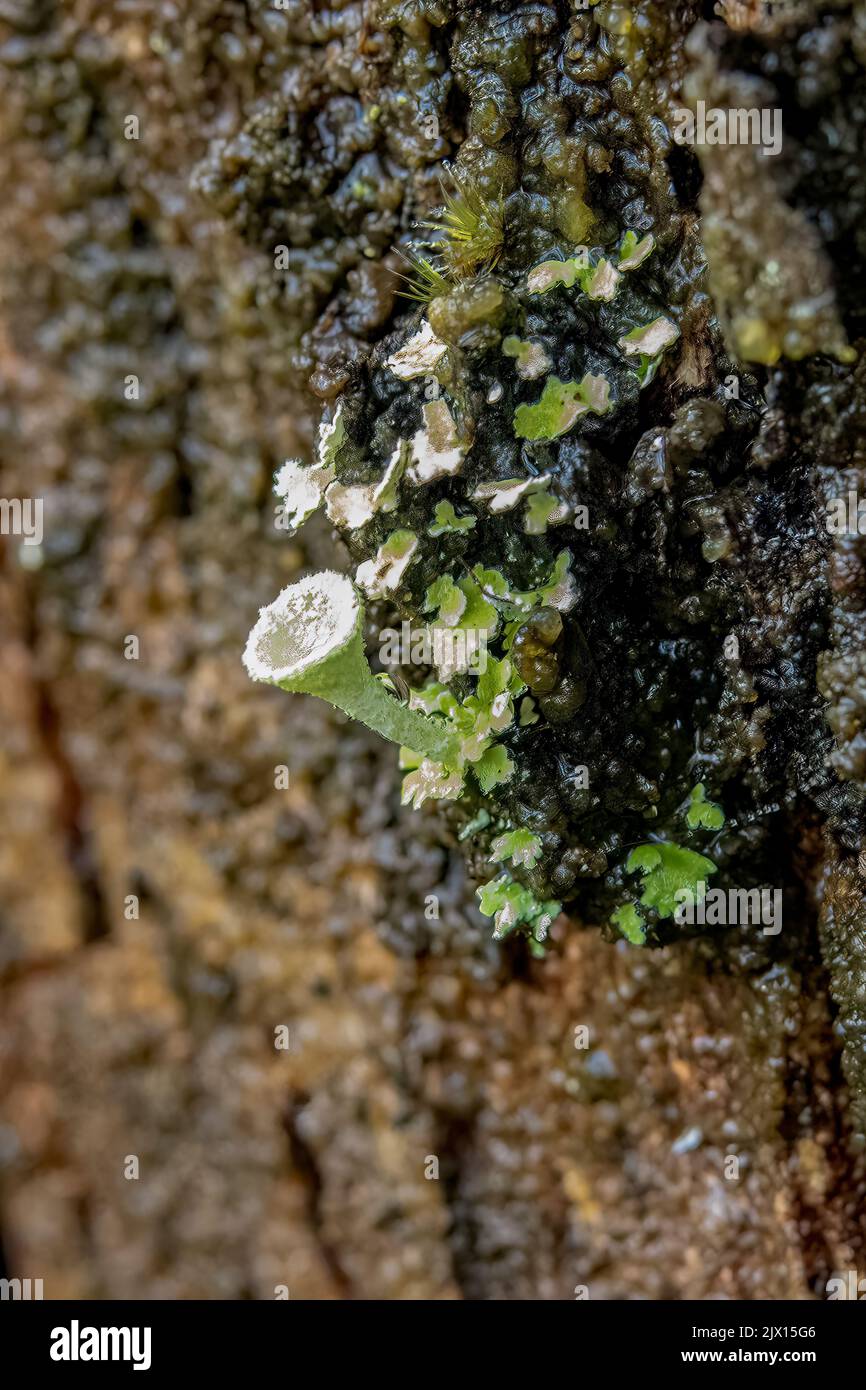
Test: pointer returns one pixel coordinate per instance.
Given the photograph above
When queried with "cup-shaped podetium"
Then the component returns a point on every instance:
(309, 640)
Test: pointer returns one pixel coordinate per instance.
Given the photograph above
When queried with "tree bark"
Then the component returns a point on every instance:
(435, 1127)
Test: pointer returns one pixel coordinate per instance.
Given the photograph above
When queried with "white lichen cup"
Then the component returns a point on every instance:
(309, 641)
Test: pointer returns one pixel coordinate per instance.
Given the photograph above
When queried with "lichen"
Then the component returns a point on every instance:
(668, 871)
(560, 406)
(635, 533)
(447, 522)
(701, 813)
(383, 575)
(519, 846)
(420, 356)
(650, 339)
(531, 359)
(437, 450)
(511, 905)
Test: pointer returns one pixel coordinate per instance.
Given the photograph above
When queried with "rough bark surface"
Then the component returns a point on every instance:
(410, 1038)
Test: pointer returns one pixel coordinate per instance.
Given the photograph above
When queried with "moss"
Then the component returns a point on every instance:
(424, 280)
(469, 231)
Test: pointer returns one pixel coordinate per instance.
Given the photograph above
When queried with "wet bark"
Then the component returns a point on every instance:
(699, 1145)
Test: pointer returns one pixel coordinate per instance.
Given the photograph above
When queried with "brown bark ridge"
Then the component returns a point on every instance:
(412, 1038)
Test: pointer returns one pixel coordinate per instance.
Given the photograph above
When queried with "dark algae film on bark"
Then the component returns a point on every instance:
(590, 455)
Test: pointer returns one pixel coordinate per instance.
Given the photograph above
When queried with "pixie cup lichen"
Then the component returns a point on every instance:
(309, 641)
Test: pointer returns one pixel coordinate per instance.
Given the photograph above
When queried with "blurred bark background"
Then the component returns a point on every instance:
(410, 1038)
